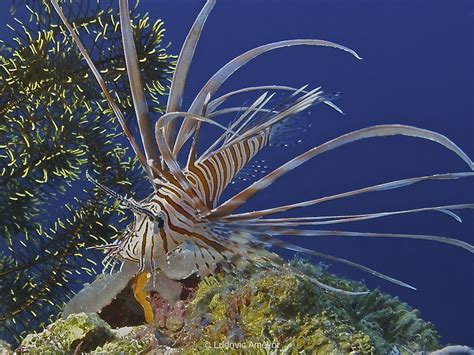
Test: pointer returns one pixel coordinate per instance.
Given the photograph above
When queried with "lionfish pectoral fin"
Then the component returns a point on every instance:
(266, 237)
(138, 286)
(281, 265)
(179, 263)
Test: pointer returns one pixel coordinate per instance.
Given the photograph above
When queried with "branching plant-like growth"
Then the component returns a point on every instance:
(55, 125)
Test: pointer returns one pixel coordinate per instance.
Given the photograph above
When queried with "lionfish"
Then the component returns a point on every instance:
(182, 228)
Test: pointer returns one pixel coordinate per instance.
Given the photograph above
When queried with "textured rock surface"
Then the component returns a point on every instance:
(67, 335)
(5, 348)
(266, 310)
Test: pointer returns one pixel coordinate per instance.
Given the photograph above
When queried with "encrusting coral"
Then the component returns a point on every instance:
(252, 312)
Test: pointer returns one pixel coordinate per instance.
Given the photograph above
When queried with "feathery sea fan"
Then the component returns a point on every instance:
(55, 124)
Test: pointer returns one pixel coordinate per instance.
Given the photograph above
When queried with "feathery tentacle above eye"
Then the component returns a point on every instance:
(125, 201)
(118, 113)
(375, 131)
(187, 127)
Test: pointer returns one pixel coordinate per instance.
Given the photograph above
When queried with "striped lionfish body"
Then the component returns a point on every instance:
(182, 228)
(153, 243)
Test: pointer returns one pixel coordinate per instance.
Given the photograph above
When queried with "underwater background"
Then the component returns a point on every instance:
(417, 69)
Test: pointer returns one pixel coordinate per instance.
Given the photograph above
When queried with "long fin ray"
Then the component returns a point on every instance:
(185, 57)
(136, 84)
(322, 220)
(227, 70)
(284, 231)
(337, 290)
(380, 187)
(375, 131)
(118, 113)
(238, 109)
(214, 104)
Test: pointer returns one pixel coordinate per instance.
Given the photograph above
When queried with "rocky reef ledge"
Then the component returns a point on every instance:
(260, 312)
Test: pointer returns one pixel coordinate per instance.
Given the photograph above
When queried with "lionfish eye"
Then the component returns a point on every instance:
(161, 222)
(156, 218)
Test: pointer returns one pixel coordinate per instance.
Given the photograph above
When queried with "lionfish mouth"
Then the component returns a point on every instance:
(196, 187)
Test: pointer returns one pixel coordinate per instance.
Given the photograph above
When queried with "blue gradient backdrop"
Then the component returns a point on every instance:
(417, 70)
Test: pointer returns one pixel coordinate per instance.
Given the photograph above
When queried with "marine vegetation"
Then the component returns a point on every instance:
(54, 124)
(183, 229)
(258, 311)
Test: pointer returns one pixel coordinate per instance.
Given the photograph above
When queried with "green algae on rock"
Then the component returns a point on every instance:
(258, 312)
(289, 312)
(87, 333)
(65, 335)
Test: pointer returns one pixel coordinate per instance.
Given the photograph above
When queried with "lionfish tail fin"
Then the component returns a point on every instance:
(250, 249)
(290, 129)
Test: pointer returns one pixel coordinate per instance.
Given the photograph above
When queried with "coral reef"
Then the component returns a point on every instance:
(252, 312)
(85, 333)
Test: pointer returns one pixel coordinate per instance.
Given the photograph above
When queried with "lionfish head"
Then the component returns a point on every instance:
(148, 219)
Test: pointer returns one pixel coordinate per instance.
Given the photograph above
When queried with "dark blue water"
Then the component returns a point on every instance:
(418, 69)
